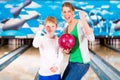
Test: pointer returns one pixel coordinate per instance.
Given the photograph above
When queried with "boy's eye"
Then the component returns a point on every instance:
(69, 11)
(47, 26)
(50, 26)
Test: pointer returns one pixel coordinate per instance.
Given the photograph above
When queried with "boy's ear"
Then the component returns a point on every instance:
(56, 26)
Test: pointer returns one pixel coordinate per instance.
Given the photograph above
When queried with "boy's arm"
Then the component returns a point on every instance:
(37, 36)
(36, 40)
(60, 58)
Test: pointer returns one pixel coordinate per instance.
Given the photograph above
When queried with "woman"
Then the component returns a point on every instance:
(79, 60)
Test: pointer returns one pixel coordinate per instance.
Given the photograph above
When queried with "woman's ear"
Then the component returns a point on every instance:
(73, 13)
(62, 17)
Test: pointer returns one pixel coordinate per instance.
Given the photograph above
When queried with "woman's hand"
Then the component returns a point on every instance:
(82, 15)
(86, 26)
(66, 51)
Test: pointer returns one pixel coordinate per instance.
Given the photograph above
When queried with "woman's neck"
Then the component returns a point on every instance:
(71, 25)
(73, 21)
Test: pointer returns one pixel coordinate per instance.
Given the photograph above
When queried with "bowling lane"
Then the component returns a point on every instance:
(24, 67)
(90, 75)
(108, 55)
(7, 48)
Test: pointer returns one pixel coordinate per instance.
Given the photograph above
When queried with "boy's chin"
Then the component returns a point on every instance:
(51, 35)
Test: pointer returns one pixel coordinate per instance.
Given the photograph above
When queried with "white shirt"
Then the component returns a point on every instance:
(50, 54)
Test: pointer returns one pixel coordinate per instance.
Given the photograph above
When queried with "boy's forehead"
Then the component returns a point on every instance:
(49, 22)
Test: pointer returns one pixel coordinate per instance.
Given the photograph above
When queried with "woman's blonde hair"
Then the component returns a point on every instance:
(68, 4)
(51, 19)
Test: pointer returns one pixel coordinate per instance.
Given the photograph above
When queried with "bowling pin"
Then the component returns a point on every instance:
(16, 41)
(10, 41)
(15, 23)
(19, 42)
(22, 41)
(16, 11)
(117, 26)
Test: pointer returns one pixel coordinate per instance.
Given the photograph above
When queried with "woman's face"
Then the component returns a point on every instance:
(67, 13)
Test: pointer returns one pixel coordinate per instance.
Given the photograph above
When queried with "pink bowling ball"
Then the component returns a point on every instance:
(66, 41)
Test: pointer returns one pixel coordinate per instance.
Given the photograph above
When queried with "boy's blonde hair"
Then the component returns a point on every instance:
(50, 19)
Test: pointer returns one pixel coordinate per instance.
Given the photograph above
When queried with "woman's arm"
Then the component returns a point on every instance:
(86, 26)
(87, 29)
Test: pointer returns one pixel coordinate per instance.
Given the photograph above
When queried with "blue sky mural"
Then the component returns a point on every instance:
(102, 15)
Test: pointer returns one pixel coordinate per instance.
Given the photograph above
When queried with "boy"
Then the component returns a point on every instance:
(51, 54)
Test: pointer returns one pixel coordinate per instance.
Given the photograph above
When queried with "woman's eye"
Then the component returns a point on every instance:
(64, 11)
(69, 11)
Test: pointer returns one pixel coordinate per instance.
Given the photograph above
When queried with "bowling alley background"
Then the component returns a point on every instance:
(103, 16)
(20, 19)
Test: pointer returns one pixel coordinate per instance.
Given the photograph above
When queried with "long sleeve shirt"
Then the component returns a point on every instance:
(50, 54)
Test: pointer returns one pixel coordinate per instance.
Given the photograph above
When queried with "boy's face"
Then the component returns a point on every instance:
(50, 28)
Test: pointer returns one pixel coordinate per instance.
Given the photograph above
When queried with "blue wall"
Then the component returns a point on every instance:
(102, 15)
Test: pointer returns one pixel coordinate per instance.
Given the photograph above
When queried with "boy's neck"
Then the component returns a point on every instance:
(50, 36)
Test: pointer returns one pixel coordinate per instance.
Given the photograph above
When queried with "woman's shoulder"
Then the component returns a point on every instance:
(80, 25)
(79, 21)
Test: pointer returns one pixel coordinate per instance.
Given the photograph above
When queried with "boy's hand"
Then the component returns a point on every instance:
(54, 69)
(40, 28)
